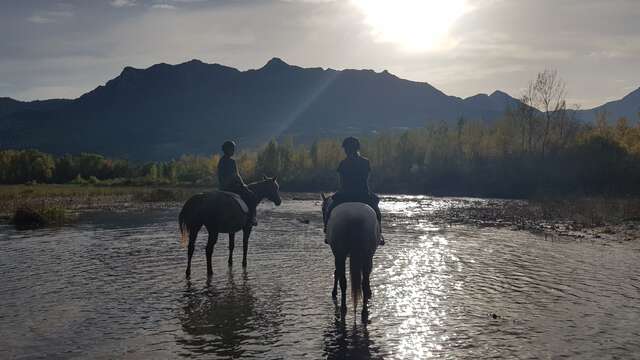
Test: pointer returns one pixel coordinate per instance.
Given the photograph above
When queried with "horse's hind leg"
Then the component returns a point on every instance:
(213, 239)
(366, 288)
(232, 244)
(193, 234)
(366, 285)
(334, 293)
(342, 277)
(245, 245)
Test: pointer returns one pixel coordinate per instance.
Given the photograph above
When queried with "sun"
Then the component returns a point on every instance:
(414, 25)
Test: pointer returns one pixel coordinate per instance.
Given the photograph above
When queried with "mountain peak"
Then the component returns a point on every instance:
(276, 63)
(500, 94)
(128, 70)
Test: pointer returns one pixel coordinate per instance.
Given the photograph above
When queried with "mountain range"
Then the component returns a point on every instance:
(167, 110)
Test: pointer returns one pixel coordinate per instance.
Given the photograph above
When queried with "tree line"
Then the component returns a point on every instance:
(538, 148)
(468, 158)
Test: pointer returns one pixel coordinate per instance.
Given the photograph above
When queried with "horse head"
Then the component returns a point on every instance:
(272, 189)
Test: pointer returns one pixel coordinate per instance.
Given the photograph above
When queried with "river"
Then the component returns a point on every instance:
(113, 286)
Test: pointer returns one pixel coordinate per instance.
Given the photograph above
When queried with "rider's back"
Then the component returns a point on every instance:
(354, 175)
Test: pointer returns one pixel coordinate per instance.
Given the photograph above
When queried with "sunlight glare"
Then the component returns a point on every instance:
(415, 25)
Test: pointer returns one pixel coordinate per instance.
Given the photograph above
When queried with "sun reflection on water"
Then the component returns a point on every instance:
(421, 303)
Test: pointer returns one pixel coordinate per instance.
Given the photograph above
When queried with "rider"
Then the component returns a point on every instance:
(354, 181)
(229, 179)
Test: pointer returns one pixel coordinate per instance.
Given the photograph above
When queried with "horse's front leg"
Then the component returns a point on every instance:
(213, 239)
(232, 244)
(245, 244)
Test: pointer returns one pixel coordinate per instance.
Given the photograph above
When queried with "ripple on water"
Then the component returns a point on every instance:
(114, 287)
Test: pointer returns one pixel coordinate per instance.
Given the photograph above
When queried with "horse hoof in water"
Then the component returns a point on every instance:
(365, 315)
(187, 274)
(244, 263)
(343, 309)
(334, 295)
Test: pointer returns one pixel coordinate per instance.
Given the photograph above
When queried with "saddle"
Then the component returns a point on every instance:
(238, 199)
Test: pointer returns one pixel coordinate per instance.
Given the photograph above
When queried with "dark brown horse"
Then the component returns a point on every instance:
(219, 212)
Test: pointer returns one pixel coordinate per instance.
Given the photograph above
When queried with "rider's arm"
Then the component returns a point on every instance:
(340, 171)
(368, 175)
(235, 174)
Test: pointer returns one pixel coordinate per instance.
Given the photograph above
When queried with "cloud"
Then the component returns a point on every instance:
(48, 17)
(123, 3)
(39, 19)
(163, 6)
(499, 44)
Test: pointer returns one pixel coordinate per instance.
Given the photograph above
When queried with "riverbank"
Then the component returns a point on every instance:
(577, 218)
(76, 199)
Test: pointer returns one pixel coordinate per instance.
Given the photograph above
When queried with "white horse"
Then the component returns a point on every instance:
(352, 231)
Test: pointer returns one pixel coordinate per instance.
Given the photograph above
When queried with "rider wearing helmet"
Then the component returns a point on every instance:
(229, 179)
(354, 180)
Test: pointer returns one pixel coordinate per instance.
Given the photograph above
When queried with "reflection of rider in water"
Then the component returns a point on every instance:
(229, 179)
(354, 181)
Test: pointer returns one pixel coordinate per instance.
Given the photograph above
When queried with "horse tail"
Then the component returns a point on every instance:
(184, 229)
(355, 271)
(188, 217)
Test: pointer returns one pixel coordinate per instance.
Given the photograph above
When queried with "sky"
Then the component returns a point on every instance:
(62, 49)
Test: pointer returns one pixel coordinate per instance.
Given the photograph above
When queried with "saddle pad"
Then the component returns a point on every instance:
(238, 199)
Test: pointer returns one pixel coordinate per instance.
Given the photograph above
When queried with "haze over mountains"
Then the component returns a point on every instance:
(165, 111)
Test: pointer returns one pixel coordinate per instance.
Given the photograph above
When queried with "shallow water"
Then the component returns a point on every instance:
(113, 286)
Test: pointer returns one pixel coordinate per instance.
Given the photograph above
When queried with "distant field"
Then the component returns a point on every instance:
(79, 197)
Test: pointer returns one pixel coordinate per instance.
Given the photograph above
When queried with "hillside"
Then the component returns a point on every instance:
(167, 110)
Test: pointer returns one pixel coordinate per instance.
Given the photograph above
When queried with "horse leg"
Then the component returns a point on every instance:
(366, 288)
(245, 244)
(366, 285)
(213, 239)
(232, 245)
(193, 234)
(334, 293)
(342, 276)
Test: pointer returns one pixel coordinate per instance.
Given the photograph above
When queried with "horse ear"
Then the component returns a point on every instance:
(275, 178)
(324, 198)
(264, 177)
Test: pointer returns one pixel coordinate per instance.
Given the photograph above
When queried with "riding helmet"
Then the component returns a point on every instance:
(228, 145)
(351, 143)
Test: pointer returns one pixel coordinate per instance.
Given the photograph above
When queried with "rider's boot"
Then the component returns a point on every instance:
(326, 238)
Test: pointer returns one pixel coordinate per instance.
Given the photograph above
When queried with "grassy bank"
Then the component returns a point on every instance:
(75, 198)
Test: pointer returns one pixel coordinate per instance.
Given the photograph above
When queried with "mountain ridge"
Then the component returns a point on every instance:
(164, 110)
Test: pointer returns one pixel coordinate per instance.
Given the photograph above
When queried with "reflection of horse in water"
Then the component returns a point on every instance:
(220, 212)
(353, 231)
(214, 318)
(353, 343)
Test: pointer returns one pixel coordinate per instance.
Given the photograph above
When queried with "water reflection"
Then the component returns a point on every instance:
(342, 341)
(218, 318)
(114, 288)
